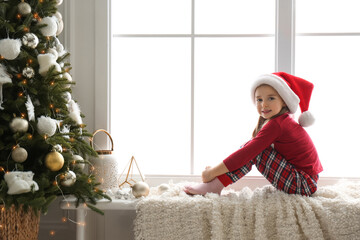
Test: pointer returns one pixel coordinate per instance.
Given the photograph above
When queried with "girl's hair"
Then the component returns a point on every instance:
(262, 120)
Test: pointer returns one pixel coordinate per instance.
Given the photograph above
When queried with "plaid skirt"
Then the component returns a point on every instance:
(279, 172)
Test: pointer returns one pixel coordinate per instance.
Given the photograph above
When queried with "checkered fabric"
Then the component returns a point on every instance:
(279, 172)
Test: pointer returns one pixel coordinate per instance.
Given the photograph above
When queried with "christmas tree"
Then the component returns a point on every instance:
(43, 140)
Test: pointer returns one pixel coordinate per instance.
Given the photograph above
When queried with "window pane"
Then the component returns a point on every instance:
(235, 16)
(224, 113)
(150, 103)
(319, 16)
(155, 16)
(332, 64)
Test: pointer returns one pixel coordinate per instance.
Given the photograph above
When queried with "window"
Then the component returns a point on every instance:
(181, 74)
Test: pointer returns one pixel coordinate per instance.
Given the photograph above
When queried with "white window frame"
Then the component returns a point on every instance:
(284, 61)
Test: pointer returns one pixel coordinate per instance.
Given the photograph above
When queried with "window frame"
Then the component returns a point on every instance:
(284, 61)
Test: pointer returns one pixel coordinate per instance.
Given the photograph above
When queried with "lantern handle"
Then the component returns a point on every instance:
(102, 151)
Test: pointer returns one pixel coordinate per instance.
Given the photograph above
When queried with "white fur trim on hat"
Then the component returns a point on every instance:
(306, 119)
(290, 98)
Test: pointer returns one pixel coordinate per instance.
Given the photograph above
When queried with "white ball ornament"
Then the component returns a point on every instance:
(19, 154)
(19, 125)
(30, 40)
(59, 2)
(69, 179)
(24, 8)
(163, 188)
(79, 161)
(67, 97)
(46, 126)
(51, 27)
(10, 48)
(28, 72)
(140, 189)
(57, 148)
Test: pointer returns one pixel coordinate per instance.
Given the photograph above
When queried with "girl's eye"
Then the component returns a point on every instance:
(259, 100)
(271, 98)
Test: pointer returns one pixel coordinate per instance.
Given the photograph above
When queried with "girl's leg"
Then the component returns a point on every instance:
(283, 175)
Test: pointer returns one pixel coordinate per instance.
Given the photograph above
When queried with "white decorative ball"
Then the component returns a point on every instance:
(60, 27)
(10, 48)
(53, 52)
(24, 8)
(79, 161)
(57, 148)
(46, 126)
(50, 28)
(69, 78)
(28, 72)
(30, 40)
(19, 154)
(67, 97)
(69, 179)
(140, 189)
(19, 125)
(59, 2)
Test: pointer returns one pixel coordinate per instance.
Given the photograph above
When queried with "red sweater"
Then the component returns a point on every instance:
(289, 139)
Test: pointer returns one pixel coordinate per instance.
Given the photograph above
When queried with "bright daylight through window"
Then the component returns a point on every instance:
(181, 74)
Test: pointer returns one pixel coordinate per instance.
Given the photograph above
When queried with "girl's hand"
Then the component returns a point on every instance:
(207, 175)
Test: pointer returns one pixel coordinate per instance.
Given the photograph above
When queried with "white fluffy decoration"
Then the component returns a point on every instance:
(20, 182)
(19, 125)
(53, 52)
(10, 48)
(50, 28)
(69, 78)
(74, 112)
(264, 213)
(306, 119)
(4, 78)
(46, 126)
(46, 61)
(30, 109)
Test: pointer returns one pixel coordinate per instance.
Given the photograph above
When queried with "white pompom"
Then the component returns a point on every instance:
(19, 125)
(306, 119)
(10, 48)
(74, 112)
(46, 126)
(46, 61)
(53, 52)
(51, 27)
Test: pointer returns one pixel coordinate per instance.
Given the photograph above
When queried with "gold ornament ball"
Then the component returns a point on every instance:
(54, 161)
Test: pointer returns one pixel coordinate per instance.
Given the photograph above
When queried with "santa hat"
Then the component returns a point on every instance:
(293, 90)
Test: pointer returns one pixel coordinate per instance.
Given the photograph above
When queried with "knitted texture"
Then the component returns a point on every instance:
(265, 213)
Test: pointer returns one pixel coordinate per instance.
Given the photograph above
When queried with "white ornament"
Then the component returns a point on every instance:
(46, 126)
(30, 109)
(74, 112)
(19, 154)
(60, 27)
(10, 48)
(20, 182)
(65, 129)
(53, 52)
(69, 78)
(30, 40)
(50, 28)
(58, 16)
(28, 72)
(79, 161)
(24, 8)
(69, 179)
(46, 61)
(140, 189)
(19, 125)
(67, 97)
(57, 148)
(4, 78)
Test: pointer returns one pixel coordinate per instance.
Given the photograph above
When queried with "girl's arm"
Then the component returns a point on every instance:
(212, 172)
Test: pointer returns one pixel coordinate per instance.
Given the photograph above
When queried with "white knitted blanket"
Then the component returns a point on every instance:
(333, 212)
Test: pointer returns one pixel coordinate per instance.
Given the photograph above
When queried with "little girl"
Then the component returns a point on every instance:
(280, 148)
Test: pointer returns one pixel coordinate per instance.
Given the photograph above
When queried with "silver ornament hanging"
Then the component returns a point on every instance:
(30, 40)
(19, 154)
(28, 72)
(57, 148)
(24, 8)
(69, 178)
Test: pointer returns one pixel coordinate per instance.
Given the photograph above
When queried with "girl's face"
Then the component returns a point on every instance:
(268, 101)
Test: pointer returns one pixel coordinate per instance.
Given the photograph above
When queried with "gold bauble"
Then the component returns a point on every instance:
(54, 161)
